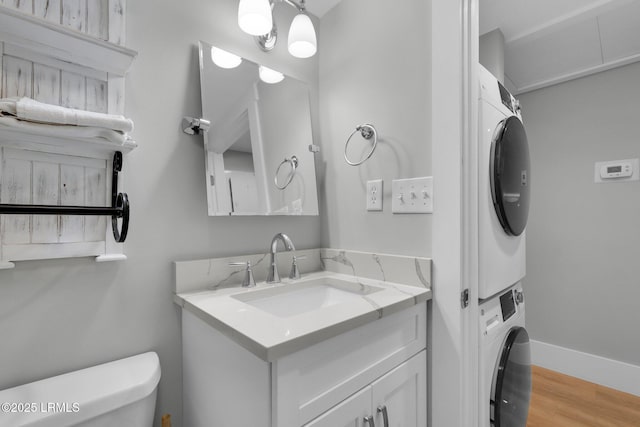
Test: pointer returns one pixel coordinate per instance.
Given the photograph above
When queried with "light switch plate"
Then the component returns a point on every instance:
(412, 195)
(374, 195)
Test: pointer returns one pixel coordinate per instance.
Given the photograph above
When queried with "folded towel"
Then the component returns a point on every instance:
(34, 111)
(8, 105)
(65, 131)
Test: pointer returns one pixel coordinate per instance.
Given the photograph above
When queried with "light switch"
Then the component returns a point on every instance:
(374, 195)
(413, 195)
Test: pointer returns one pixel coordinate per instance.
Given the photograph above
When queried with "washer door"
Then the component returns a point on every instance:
(512, 383)
(509, 172)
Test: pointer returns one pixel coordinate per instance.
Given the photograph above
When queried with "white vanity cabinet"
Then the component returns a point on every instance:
(400, 395)
(335, 381)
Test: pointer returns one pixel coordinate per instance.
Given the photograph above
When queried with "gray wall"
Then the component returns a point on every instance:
(61, 315)
(238, 161)
(491, 53)
(375, 65)
(583, 257)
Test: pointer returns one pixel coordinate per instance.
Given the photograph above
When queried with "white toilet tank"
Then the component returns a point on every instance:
(120, 393)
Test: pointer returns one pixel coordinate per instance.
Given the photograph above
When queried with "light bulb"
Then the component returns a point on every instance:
(224, 59)
(302, 37)
(270, 76)
(254, 17)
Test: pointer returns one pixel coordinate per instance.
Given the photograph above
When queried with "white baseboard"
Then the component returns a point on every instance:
(607, 372)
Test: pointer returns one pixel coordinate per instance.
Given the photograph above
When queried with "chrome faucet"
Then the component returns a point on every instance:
(273, 276)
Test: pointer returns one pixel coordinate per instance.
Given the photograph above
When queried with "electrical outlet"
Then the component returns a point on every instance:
(374, 195)
(413, 195)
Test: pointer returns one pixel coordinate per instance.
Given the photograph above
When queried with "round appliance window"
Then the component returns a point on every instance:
(510, 175)
(512, 391)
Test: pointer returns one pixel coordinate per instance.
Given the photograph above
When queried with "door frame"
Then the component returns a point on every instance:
(453, 369)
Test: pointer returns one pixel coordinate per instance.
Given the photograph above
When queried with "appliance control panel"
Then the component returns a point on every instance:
(507, 99)
(616, 170)
(508, 305)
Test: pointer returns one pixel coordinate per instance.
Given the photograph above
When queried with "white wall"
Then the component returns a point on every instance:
(375, 67)
(582, 282)
(62, 315)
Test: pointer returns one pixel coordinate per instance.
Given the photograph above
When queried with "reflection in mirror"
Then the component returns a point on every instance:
(260, 120)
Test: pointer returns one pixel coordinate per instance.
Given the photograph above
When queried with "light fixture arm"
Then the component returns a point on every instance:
(302, 36)
(300, 6)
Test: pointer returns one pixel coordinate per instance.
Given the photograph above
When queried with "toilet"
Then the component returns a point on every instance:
(120, 393)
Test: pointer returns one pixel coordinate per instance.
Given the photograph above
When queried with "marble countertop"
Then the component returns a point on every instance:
(271, 336)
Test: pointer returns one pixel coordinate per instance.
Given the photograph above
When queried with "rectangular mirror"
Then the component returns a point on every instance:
(258, 155)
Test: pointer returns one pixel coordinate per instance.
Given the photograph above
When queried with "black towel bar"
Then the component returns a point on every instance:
(119, 206)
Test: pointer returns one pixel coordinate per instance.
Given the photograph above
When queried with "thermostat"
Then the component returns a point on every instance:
(617, 170)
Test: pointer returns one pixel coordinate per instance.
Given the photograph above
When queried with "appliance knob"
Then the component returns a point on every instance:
(519, 297)
(516, 105)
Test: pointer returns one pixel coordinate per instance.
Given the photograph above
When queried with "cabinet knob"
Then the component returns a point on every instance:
(369, 421)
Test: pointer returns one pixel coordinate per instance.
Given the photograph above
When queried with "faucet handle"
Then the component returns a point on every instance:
(248, 281)
(295, 271)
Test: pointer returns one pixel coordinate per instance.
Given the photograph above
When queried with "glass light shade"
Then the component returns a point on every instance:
(302, 37)
(270, 76)
(224, 59)
(254, 17)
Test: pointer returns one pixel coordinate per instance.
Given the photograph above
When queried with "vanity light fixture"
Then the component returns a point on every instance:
(252, 19)
(224, 59)
(302, 36)
(269, 75)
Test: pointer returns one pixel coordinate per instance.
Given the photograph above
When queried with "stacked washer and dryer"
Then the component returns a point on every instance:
(504, 186)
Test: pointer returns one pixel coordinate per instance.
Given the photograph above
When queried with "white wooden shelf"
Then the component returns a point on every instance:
(54, 41)
(49, 60)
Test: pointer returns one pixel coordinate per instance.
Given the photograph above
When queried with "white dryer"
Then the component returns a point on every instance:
(504, 186)
(505, 361)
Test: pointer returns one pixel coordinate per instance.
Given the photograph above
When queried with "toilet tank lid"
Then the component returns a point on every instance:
(84, 394)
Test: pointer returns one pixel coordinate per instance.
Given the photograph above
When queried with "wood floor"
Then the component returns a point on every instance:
(562, 401)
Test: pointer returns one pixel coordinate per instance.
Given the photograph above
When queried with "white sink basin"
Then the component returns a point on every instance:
(303, 297)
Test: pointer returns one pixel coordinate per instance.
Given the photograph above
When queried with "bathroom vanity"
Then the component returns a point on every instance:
(328, 349)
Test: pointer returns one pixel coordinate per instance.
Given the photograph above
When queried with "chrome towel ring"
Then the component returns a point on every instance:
(367, 131)
(293, 161)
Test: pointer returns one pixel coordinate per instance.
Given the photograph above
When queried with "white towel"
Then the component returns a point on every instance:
(65, 131)
(34, 111)
(8, 105)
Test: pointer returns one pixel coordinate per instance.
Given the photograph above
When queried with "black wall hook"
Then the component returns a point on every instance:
(119, 206)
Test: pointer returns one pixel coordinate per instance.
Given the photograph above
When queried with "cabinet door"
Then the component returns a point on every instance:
(403, 392)
(349, 413)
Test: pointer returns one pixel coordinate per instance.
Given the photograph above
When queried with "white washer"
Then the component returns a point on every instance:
(504, 185)
(505, 361)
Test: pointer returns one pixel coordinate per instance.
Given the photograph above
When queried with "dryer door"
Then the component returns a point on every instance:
(510, 175)
(511, 390)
